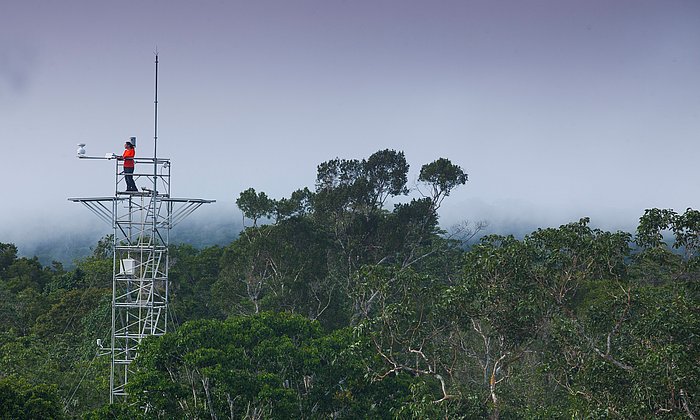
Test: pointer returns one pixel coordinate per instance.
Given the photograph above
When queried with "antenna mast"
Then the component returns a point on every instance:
(155, 126)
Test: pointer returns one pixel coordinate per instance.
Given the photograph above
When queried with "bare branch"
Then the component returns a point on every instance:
(686, 406)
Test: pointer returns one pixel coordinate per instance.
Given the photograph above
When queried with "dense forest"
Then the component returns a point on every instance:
(330, 304)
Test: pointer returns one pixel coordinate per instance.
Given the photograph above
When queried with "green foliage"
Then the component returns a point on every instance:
(651, 227)
(306, 262)
(360, 186)
(192, 276)
(20, 400)
(69, 309)
(686, 232)
(442, 176)
(49, 321)
(26, 273)
(298, 204)
(104, 248)
(685, 228)
(650, 361)
(117, 411)
(255, 205)
(8, 255)
(232, 367)
(273, 364)
(278, 267)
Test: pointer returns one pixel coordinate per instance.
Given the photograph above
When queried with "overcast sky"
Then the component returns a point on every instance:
(557, 109)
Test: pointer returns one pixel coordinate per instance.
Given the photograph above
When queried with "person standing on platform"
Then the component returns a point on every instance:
(128, 158)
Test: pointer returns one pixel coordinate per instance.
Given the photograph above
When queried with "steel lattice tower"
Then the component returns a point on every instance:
(141, 223)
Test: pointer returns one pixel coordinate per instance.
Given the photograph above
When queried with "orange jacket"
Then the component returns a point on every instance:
(128, 157)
